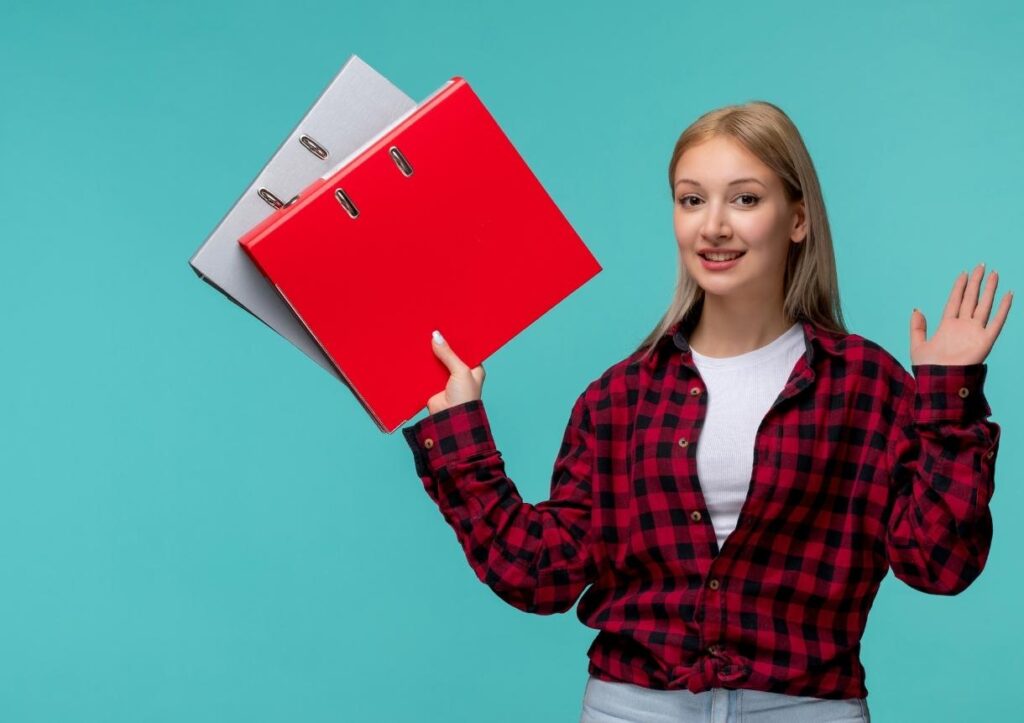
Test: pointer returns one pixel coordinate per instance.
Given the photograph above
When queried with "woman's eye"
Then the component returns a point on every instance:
(683, 199)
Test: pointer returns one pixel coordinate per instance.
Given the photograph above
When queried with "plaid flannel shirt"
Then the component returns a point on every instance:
(859, 466)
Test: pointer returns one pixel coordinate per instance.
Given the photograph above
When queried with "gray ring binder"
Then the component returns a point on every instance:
(352, 110)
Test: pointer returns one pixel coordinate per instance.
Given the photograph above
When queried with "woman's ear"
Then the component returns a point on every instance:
(799, 232)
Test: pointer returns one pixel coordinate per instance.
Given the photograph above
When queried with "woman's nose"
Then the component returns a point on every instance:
(715, 224)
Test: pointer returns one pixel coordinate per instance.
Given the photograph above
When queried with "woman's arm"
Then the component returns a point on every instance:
(941, 462)
(538, 558)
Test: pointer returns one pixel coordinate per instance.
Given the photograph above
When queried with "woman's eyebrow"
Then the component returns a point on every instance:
(731, 183)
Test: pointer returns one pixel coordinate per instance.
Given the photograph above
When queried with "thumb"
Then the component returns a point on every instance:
(918, 327)
(445, 353)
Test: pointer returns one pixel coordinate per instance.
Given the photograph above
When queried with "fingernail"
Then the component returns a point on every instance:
(437, 337)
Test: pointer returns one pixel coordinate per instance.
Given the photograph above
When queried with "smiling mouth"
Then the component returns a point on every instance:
(730, 257)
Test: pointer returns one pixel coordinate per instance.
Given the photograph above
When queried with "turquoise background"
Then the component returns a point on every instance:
(197, 523)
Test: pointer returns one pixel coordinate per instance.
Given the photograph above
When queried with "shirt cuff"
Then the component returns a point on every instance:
(453, 434)
(950, 393)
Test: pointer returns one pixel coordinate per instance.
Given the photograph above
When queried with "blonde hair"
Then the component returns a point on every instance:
(810, 282)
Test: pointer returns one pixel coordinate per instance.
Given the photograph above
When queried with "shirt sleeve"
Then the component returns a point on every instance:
(941, 458)
(536, 557)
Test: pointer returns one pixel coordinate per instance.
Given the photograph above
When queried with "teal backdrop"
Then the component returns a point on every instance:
(197, 523)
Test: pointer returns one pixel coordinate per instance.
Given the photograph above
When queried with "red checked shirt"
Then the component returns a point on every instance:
(859, 466)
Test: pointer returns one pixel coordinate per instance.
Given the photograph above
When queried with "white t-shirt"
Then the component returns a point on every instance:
(741, 389)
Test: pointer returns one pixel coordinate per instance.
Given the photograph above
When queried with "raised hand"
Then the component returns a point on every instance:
(464, 384)
(965, 335)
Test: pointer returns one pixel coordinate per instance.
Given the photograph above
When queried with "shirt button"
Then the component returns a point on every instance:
(964, 391)
(713, 649)
(694, 391)
(683, 442)
(695, 515)
(991, 454)
(713, 584)
(428, 443)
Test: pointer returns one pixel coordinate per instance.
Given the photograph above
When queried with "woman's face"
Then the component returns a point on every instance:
(727, 199)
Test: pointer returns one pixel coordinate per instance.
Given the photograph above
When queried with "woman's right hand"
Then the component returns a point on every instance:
(464, 384)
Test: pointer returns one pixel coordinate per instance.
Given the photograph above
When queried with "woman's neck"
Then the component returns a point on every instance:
(729, 327)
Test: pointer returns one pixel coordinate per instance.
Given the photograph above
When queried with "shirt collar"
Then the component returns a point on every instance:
(815, 337)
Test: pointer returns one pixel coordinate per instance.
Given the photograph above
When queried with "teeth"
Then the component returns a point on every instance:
(721, 257)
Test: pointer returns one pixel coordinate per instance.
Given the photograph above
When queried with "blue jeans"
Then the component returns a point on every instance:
(606, 702)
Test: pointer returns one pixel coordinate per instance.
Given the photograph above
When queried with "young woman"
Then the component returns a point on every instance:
(734, 491)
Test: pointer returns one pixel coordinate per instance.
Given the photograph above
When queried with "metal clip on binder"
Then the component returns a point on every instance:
(313, 147)
(346, 202)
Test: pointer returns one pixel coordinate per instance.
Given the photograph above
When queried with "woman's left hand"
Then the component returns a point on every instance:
(965, 335)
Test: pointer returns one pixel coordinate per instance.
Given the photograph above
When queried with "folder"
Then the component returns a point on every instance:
(437, 224)
(356, 105)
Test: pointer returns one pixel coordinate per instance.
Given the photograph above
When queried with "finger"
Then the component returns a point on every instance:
(984, 307)
(997, 321)
(970, 299)
(436, 401)
(478, 374)
(918, 328)
(445, 353)
(956, 296)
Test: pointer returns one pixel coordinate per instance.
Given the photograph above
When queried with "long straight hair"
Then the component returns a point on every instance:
(810, 283)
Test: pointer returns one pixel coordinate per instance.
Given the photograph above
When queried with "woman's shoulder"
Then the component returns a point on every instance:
(867, 365)
(614, 380)
(611, 378)
(860, 348)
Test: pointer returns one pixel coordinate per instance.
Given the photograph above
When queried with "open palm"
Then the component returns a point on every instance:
(965, 335)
